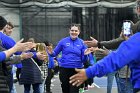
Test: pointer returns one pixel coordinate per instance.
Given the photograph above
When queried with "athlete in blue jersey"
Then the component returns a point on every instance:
(73, 50)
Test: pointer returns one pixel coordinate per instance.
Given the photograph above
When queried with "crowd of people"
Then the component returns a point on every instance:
(77, 68)
(126, 54)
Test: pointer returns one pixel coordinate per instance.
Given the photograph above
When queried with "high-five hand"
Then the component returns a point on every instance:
(79, 78)
(92, 43)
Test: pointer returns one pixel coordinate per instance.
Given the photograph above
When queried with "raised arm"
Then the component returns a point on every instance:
(18, 47)
(127, 52)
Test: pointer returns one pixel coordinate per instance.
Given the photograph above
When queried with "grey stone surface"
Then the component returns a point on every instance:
(99, 87)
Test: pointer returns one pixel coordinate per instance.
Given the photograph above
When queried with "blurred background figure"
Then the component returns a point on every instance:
(51, 65)
(31, 73)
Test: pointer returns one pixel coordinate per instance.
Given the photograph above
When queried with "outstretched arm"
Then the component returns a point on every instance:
(18, 47)
(127, 52)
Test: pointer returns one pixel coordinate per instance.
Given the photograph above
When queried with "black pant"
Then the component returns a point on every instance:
(18, 72)
(48, 79)
(4, 83)
(56, 70)
(64, 75)
(10, 81)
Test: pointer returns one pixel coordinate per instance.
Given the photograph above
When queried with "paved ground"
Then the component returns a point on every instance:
(99, 86)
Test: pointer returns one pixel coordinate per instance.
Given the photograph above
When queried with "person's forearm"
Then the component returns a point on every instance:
(9, 52)
(117, 59)
(112, 44)
(15, 59)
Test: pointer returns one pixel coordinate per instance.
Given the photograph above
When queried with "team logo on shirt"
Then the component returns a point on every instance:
(67, 44)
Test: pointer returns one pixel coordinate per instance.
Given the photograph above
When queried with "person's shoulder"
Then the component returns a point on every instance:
(65, 38)
(2, 34)
(5, 36)
(81, 40)
(135, 37)
(136, 34)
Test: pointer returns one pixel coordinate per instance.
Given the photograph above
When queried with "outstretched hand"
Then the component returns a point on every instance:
(79, 78)
(25, 55)
(19, 46)
(50, 49)
(89, 50)
(91, 43)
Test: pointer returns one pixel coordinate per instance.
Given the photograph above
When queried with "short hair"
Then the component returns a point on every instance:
(47, 43)
(31, 40)
(10, 24)
(3, 22)
(77, 25)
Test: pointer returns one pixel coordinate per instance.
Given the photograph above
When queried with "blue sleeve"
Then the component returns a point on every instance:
(18, 65)
(127, 52)
(84, 47)
(34, 55)
(91, 59)
(57, 49)
(2, 56)
(84, 57)
(7, 42)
